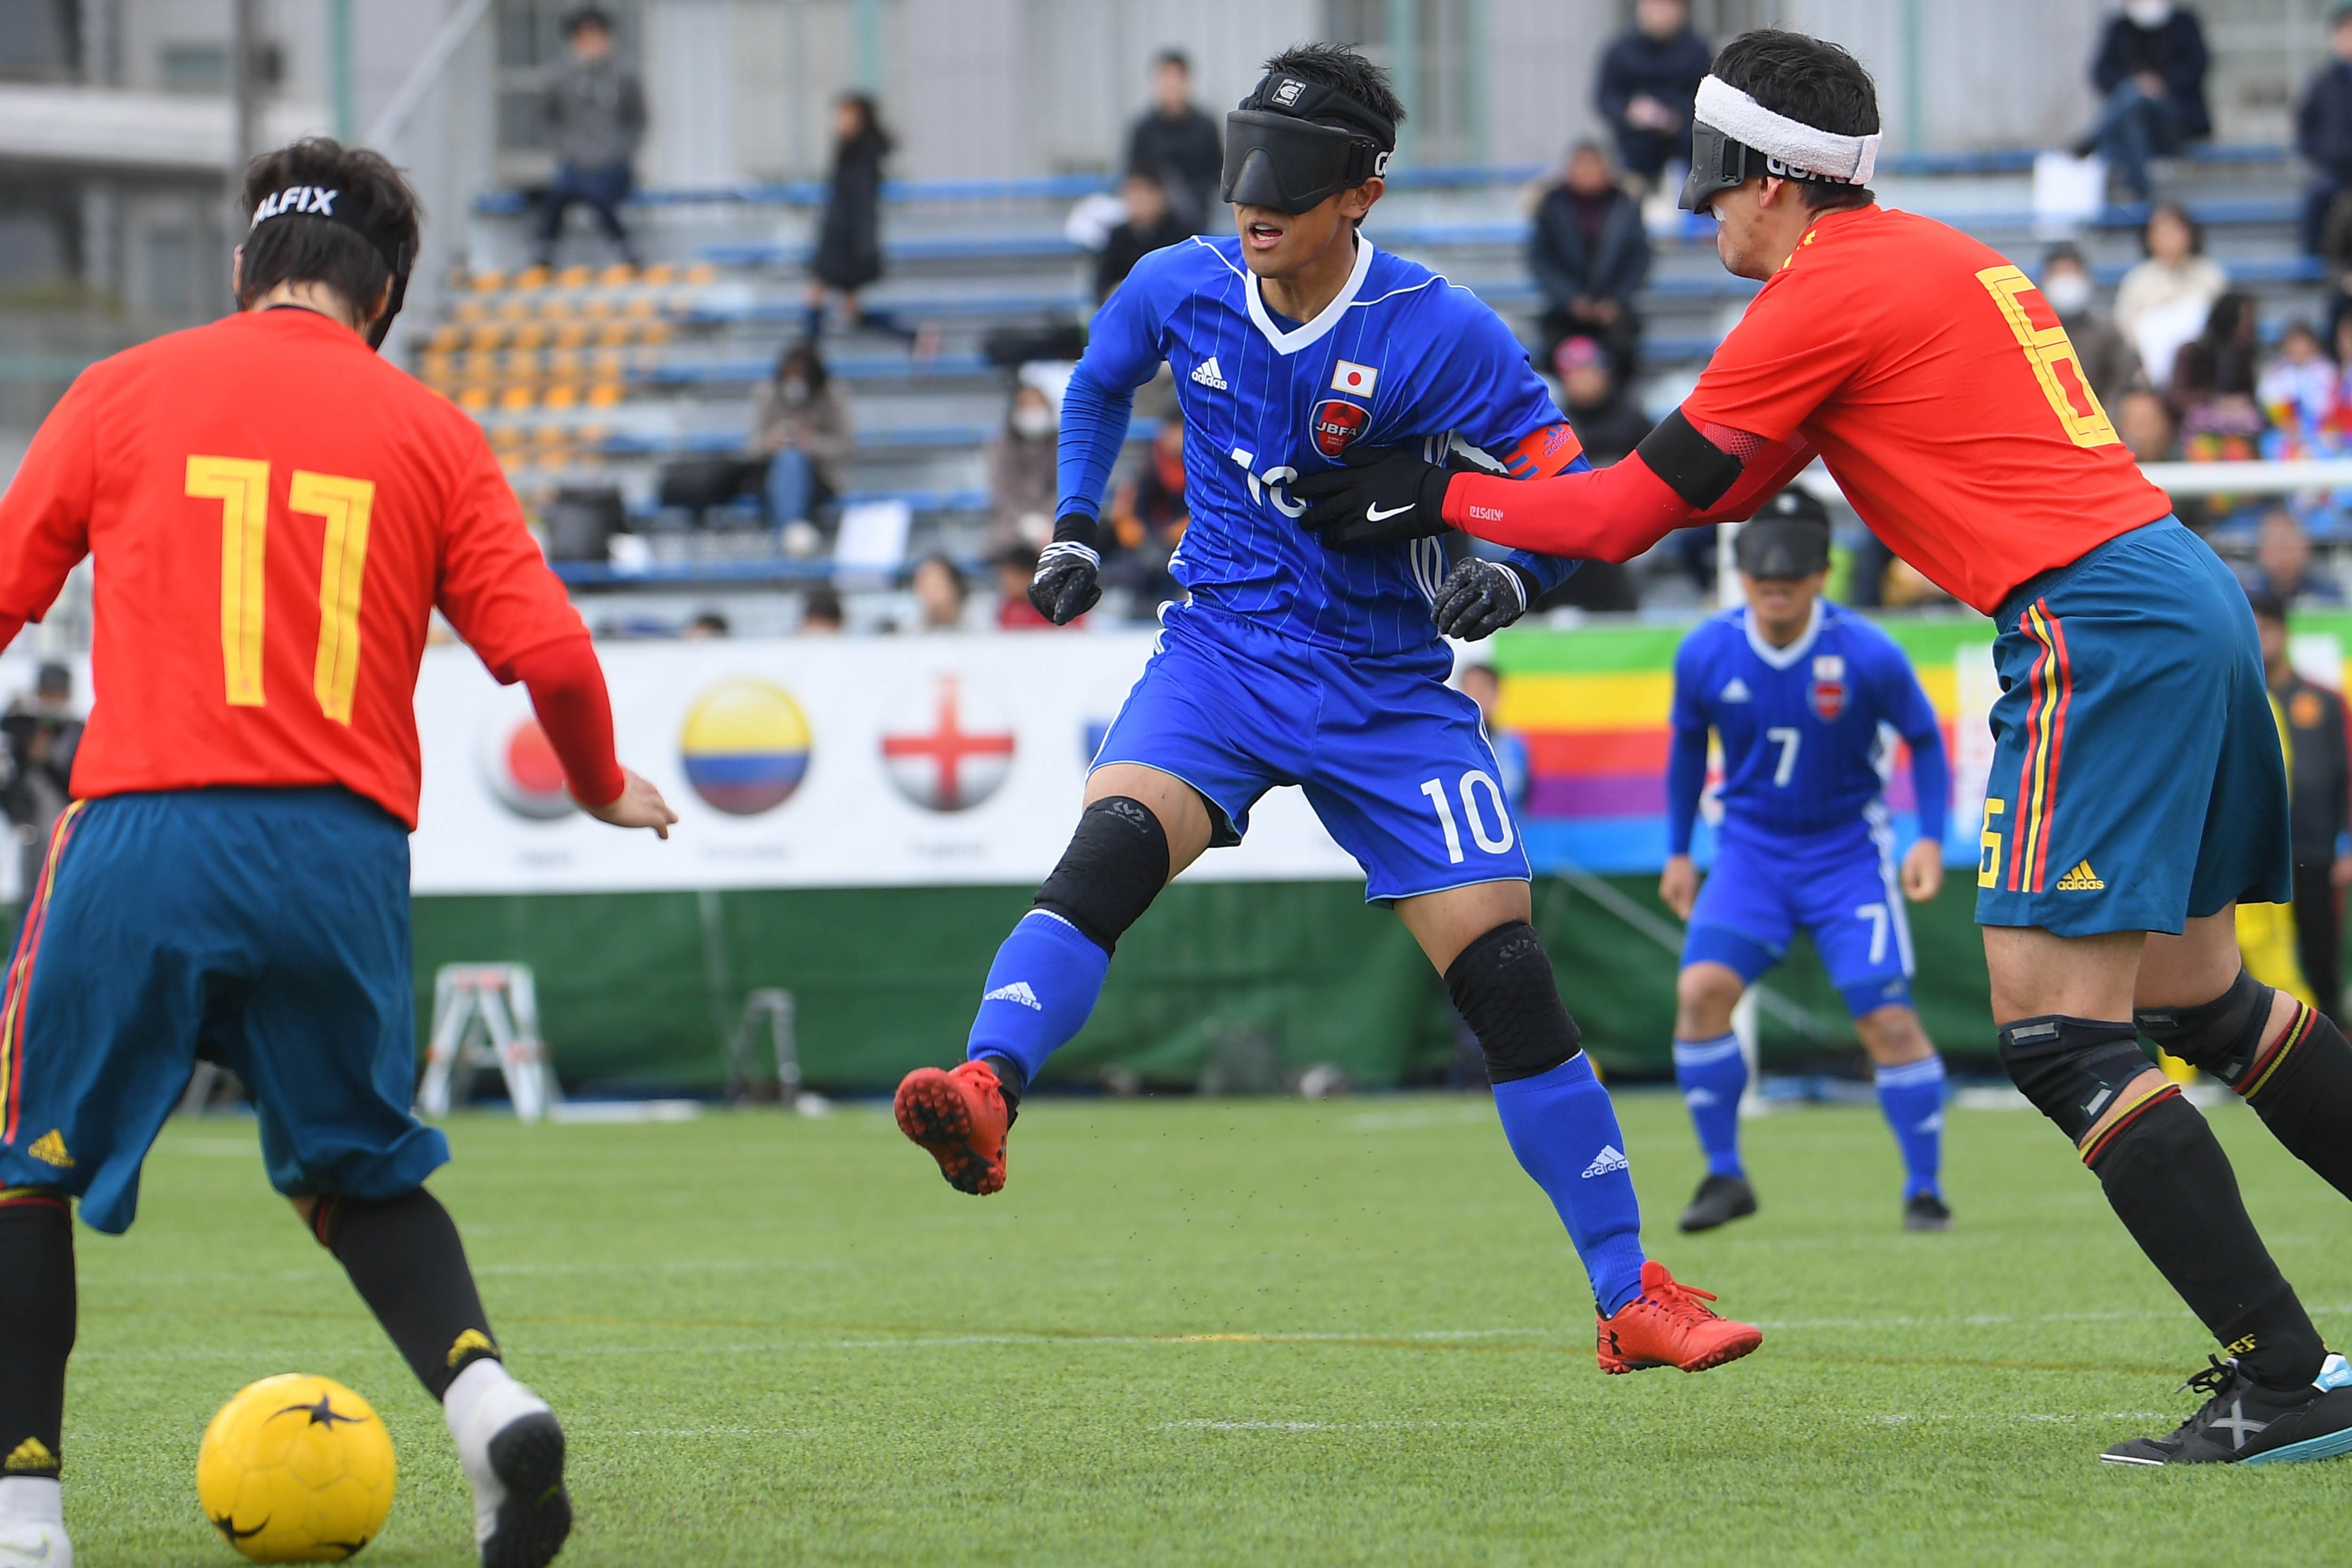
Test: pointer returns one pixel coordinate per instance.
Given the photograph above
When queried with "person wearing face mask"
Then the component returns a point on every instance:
(2150, 73)
(2109, 363)
(1020, 483)
(801, 421)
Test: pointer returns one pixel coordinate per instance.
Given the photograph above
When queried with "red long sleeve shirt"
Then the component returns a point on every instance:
(274, 511)
(1929, 374)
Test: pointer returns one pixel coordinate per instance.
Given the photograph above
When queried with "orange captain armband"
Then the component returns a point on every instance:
(1542, 454)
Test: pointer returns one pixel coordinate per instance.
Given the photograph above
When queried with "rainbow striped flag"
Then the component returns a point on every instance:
(1592, 707)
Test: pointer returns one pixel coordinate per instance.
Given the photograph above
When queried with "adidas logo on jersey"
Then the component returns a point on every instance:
(1017, 992)
(49, 1149)
(1207, 373)
(2081, 880)
(1735, 692)
(1611, 1158)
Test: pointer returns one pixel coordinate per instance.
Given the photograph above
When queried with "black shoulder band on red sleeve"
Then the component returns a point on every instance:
(1693, 466)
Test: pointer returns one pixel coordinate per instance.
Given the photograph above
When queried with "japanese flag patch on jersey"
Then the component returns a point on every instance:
(1828, 692)
(1355, 380)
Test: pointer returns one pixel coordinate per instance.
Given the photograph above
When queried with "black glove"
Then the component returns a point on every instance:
(1069, 572)
(1384, 495)
(1479, 598)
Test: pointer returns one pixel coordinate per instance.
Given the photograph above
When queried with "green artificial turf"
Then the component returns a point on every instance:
(1223, 1332)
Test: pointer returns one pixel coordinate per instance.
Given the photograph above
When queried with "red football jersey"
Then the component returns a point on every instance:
(1936, 384)
(274, 511)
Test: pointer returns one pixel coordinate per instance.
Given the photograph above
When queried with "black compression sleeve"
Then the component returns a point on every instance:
(1693, 466)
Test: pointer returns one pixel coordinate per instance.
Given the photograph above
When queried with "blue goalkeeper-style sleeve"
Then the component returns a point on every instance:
(1686, 753)
(1904, 704)
(1124, 348)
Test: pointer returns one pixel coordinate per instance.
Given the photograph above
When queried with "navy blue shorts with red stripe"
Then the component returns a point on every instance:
(266, 930)
(2137, 779)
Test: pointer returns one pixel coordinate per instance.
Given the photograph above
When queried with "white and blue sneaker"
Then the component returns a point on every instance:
(2244, 1423)
(33, 1524)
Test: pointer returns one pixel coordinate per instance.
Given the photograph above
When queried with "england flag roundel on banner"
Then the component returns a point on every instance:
(956, 756)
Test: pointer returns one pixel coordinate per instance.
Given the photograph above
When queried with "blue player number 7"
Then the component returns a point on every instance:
(1492, 843)
(1785, 737)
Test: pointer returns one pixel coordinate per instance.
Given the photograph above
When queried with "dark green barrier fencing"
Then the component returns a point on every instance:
(643, 988)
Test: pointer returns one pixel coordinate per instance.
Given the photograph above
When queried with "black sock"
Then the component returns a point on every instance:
(2302, 1089)
(37, 1330)
(1010, 1083)
(2168, 1182)
(408, 1264)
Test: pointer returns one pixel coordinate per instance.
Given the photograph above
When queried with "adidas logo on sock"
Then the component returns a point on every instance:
(1207, 373)
(1611, 1158)
(2081, 880)
(1017, 992)
(1696, 1097)
(31, 1456)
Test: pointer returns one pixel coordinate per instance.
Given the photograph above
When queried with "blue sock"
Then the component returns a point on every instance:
(1713, 1074)
(1564, 1130)
(1912, 1096)
(1040, 990)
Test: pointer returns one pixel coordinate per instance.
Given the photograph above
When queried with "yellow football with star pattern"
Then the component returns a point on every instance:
(296, 1469)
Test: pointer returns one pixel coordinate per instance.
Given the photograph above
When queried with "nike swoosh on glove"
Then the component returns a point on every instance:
(1068, 584)
(1383, 495)
(1479, 598)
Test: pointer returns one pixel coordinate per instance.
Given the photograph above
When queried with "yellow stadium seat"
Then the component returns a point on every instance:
(619, 274)
(701, 272)
(480, 365)
(574, 277)
(570, 334)
(530, 335)
(606, 394)
(531, 277)
(656, 331)
(517, 399)
(471, 311)
(436, 369)
(515, 308)
(447, 336)
(643, 305)
(617, 332)
(483, 282)
(474, 399)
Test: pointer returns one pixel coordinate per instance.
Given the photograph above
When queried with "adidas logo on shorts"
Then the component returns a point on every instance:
(1611, 1158)
(1017, 992)
(2081, 880)
(49, 1149)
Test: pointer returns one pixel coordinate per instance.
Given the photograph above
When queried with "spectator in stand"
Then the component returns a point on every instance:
(1180, 144)
(940, 597)
(849, 236)
(1646, 85)
(1021, 477)
(821, 612)
(707, 627)
(1015, 565)
(2168, 297)
(43, 732)
(2145, 422)
(593, 116)
(1483, 684)
(2282, 564)
(1610, 425)
(2213, 387)
(2297, 391)
(2150, 73)
(2319, 800)
(2323, 130)
(801, 422)
(1151, 225)
(1147, 518)
(2109, 364)
(1589, 257)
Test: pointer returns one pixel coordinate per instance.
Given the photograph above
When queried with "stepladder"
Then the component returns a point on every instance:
(487, 1015)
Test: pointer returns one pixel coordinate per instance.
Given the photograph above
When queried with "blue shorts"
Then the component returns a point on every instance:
(264, 930)
(2138, 780)
(1838, 890)
(1394, 763)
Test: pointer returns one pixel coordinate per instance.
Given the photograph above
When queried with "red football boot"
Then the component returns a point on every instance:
(960, 1116)
(1666, 1325)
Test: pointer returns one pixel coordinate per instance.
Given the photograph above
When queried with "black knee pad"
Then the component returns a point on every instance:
(2072, 1068)
(1503, 984)
(2220, 1037)
(1115, 865)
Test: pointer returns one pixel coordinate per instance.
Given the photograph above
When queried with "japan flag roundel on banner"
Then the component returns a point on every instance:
(1352, 378)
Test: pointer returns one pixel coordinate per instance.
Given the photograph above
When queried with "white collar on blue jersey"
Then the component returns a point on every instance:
(1783, 657)
(1309, 332)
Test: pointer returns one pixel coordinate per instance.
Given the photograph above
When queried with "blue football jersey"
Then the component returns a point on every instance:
(1800, 728)
(1400, 355)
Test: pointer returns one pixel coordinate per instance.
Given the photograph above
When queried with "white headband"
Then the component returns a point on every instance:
(1824, 154)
